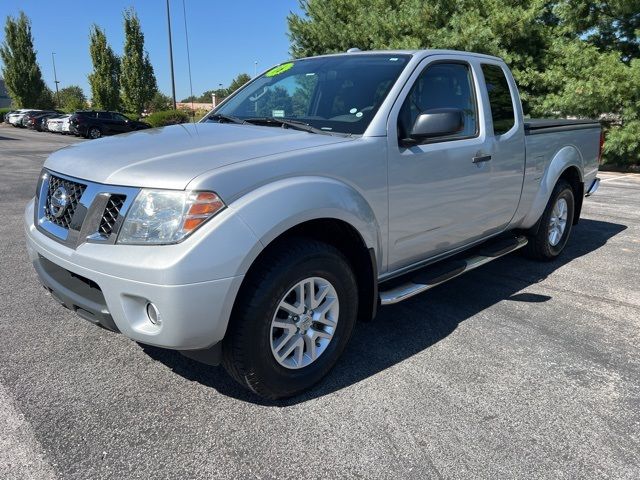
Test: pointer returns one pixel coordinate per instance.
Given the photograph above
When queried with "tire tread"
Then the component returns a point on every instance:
(537, 247)
(234, 344)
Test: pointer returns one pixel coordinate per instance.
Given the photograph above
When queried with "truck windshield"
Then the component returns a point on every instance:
(336, 94)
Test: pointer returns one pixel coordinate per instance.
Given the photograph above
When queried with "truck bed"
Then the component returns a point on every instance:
(535, 126)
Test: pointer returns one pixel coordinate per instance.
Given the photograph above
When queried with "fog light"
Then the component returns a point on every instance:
(154, 314)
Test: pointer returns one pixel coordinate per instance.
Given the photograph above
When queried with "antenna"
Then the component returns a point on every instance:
(186, 36)
(173, 82)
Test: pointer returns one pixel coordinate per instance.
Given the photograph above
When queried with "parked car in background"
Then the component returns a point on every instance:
(95, 124)
(16, 117)
(65, 125)
(9, 116)
(5, 117)
(32, 119)
(40, 121)
(55, 124)
(43, 123)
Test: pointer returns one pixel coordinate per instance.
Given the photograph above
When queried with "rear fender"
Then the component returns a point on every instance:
(565, 157)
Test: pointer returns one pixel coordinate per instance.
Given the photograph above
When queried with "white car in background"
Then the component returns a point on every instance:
(65, 125)
(56, 124)
(16, 117)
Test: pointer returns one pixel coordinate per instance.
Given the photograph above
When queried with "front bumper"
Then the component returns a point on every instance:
(77, 130)
(193, 315)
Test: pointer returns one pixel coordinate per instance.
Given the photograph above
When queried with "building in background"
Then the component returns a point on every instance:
(195, 106)
(5, 100)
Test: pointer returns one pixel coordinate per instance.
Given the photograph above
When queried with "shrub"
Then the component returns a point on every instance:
(135, 117)
(167, 117)
(199, 113)
(3, 112)
(622, 145)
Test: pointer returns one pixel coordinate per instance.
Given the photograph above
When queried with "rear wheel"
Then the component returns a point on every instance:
(94, 132)
(292, 319)
(555, 224)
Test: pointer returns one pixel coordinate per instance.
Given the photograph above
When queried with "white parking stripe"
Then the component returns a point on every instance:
(608, 179)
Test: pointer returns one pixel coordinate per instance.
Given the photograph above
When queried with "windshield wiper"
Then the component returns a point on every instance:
(221, 117)
(287, 123)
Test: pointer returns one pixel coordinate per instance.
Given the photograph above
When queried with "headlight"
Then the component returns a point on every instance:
(166, 216)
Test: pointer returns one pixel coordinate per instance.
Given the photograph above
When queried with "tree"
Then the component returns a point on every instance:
(206, 96)
(72, 98)
(237, 82)
(569, 57)
(276, 99)
(159, 102)
(21, 72)
(105, 78)
(610, 25)
(138, 81)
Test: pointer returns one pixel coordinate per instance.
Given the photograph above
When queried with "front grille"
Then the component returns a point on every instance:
(73, 190)
(110, 214)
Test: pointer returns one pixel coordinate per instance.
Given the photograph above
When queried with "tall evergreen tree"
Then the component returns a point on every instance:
(105, 78)
(138, 81)
(609, 25)
(20, 70)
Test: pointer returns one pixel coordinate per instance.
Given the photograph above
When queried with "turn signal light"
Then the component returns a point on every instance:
(203, 207)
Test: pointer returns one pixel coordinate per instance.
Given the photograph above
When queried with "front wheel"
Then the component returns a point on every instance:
(555, 225)
(94, 132)
(292, 319)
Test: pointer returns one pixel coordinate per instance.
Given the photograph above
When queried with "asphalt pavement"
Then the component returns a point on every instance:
(516, 370)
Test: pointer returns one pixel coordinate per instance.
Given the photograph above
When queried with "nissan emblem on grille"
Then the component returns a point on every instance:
(59, 202)
(62, 198)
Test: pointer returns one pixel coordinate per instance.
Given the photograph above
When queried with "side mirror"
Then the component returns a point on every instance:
(438, 122)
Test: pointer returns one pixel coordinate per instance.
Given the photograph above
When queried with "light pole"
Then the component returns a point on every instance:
(255, 69)
(55, 78)
(173, 82)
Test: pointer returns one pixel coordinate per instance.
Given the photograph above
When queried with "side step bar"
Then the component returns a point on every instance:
(438, 273)
(594, 186)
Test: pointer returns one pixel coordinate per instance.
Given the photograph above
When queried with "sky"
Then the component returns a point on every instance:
(225, 37)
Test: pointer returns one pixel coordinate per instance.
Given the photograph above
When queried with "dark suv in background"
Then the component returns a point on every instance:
(95, 124)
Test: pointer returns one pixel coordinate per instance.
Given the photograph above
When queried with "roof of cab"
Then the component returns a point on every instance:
(421, 53)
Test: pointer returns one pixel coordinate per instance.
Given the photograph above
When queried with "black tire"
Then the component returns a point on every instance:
(94, 132)
(246, 348)
(539, 246)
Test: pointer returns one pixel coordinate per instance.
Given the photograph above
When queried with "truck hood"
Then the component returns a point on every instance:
(170, 157)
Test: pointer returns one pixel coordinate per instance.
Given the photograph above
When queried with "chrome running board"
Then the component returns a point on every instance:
(439, 273)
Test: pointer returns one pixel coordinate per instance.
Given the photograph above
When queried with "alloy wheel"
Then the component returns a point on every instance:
(304, 323)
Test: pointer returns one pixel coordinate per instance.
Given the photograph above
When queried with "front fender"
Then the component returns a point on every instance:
(274, 208)
(566, 157)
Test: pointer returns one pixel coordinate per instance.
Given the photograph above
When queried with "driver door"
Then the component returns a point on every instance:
(438, 188)
(120, 123)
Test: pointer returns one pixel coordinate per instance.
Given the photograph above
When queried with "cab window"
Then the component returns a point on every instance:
(500, 100)
(441, 85)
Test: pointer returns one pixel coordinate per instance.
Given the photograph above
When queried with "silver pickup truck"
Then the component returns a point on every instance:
(322, 189)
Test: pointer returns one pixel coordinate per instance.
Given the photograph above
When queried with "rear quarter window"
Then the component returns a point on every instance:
(500, 99)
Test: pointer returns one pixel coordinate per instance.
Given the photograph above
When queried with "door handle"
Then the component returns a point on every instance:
(481, 158)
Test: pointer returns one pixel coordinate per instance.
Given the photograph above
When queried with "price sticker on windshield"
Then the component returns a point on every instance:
(279, 69)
